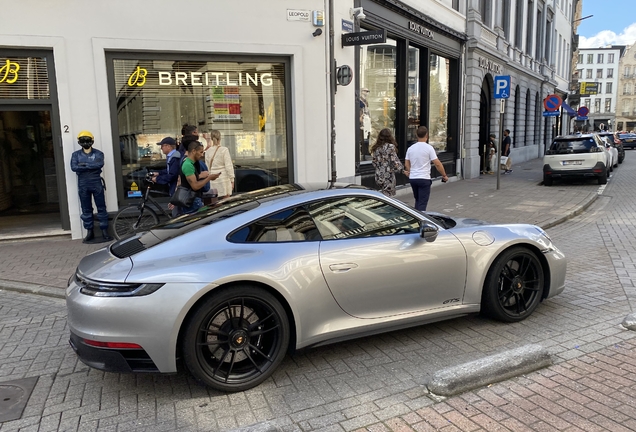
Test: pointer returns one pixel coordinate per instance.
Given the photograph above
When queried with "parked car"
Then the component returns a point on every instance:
(582, 155)
(627, 139)
(290, 267)
(617, 143)
(608, 142)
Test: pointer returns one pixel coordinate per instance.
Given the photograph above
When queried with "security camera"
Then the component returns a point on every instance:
(357, 12)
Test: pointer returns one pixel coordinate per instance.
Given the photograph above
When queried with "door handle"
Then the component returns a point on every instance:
(342, 268)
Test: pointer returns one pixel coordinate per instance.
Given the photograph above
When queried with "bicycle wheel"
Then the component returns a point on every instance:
(130, 220)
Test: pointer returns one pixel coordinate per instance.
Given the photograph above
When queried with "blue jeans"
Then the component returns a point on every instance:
(421, 192)
(96, 192)
(196, 205)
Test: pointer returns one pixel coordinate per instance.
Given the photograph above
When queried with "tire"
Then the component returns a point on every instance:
(126, 218)
(514, 286)
(602, 179)
(225, 349)
(547, 180)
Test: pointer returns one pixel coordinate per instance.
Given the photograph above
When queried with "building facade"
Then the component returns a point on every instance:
(626, 100)
(520, 39)
(597, 71)
(413, 78)
(266, 91)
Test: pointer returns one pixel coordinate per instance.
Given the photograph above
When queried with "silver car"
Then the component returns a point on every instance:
(229, 290)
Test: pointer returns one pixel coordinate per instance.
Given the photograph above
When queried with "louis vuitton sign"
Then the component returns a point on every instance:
(418, 28)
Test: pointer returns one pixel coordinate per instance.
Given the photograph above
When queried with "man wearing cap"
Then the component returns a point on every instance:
(88, 163)
(170, 175)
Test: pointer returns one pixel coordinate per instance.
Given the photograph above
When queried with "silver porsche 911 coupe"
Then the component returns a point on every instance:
(227, 291)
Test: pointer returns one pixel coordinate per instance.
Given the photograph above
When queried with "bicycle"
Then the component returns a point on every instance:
(139, 217)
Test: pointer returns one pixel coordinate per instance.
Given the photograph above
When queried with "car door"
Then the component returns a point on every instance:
(376, 264)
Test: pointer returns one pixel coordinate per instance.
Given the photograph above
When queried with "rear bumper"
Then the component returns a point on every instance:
(595, 171)
(112, 360)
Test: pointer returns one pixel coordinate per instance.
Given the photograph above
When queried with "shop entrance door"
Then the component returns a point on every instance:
(29, 187)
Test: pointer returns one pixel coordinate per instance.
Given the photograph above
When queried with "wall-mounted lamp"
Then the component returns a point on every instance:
(357, 12)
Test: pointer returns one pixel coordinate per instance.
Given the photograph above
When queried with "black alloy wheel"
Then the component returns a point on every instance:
(514, 286)
(236, 338)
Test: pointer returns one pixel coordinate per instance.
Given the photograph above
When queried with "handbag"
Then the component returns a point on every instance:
(183, 197)
(503, 160)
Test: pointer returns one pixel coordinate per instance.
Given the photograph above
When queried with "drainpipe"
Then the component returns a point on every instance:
(332, 94)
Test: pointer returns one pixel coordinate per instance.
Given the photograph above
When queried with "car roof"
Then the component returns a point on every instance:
(573, 137)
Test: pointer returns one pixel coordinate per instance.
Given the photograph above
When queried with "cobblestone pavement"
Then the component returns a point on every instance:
(378, 383)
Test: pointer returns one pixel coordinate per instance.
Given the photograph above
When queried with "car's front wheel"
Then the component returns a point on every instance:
(514, 285)
(236, 338)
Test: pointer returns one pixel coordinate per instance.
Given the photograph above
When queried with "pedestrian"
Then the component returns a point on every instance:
(192, 177)
(418, 163)
(506, 145)
(386, 162)
(218, 159)
(87, 163)
(170, 175)
(492, 154)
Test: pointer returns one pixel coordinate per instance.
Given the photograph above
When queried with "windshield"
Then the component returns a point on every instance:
(582, 145)
(225, 208)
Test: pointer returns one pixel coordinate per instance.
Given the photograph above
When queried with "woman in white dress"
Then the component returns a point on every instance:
(218, 159)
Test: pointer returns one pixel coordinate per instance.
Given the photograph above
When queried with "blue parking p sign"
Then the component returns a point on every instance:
(502, 87)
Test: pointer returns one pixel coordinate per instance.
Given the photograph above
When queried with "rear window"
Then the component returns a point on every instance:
(583, 145)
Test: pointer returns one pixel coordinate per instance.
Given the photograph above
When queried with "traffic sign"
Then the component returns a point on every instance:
(552, 102)
(583, 111)
(502, 87)
(556, 113)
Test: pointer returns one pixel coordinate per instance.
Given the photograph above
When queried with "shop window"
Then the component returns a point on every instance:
(439, 89)
(414, 94)
(245, 101)
(378, 64)
(24, 78)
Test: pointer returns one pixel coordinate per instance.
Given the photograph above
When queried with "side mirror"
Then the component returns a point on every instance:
(428, 231)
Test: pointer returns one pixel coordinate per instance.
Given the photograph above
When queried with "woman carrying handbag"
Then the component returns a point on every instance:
(218, 159)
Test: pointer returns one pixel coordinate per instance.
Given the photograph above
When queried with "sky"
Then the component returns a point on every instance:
(613, 23)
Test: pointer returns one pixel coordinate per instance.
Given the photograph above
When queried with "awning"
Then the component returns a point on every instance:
(569, 109)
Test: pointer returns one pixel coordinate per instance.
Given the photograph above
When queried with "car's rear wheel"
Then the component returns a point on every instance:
(602, 178)
(236, 338)
(514, 285)
(547, 180)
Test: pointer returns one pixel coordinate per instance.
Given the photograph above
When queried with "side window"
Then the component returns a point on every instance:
(355, 217)
(289, 225)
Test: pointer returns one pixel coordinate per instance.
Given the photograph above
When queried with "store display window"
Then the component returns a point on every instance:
(244, 100)
(378, 64)
(438, 108)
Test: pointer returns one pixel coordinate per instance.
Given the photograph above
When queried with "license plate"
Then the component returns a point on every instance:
(572, 162)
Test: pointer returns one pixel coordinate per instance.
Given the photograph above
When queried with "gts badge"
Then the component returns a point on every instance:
(453, 300)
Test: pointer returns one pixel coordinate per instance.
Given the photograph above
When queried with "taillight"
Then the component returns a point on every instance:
(116, 345)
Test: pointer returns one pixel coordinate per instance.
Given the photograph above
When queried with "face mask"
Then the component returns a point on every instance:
(86, 145)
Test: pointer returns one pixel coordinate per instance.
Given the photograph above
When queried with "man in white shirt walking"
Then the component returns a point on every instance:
(418, 162)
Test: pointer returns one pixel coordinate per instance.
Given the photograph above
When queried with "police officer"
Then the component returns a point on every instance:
(88, 163)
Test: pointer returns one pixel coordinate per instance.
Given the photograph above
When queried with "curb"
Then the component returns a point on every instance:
(577, 211)
(488, 370)
(30, 288)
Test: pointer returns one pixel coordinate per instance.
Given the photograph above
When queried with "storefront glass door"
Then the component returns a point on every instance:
(28, 178)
